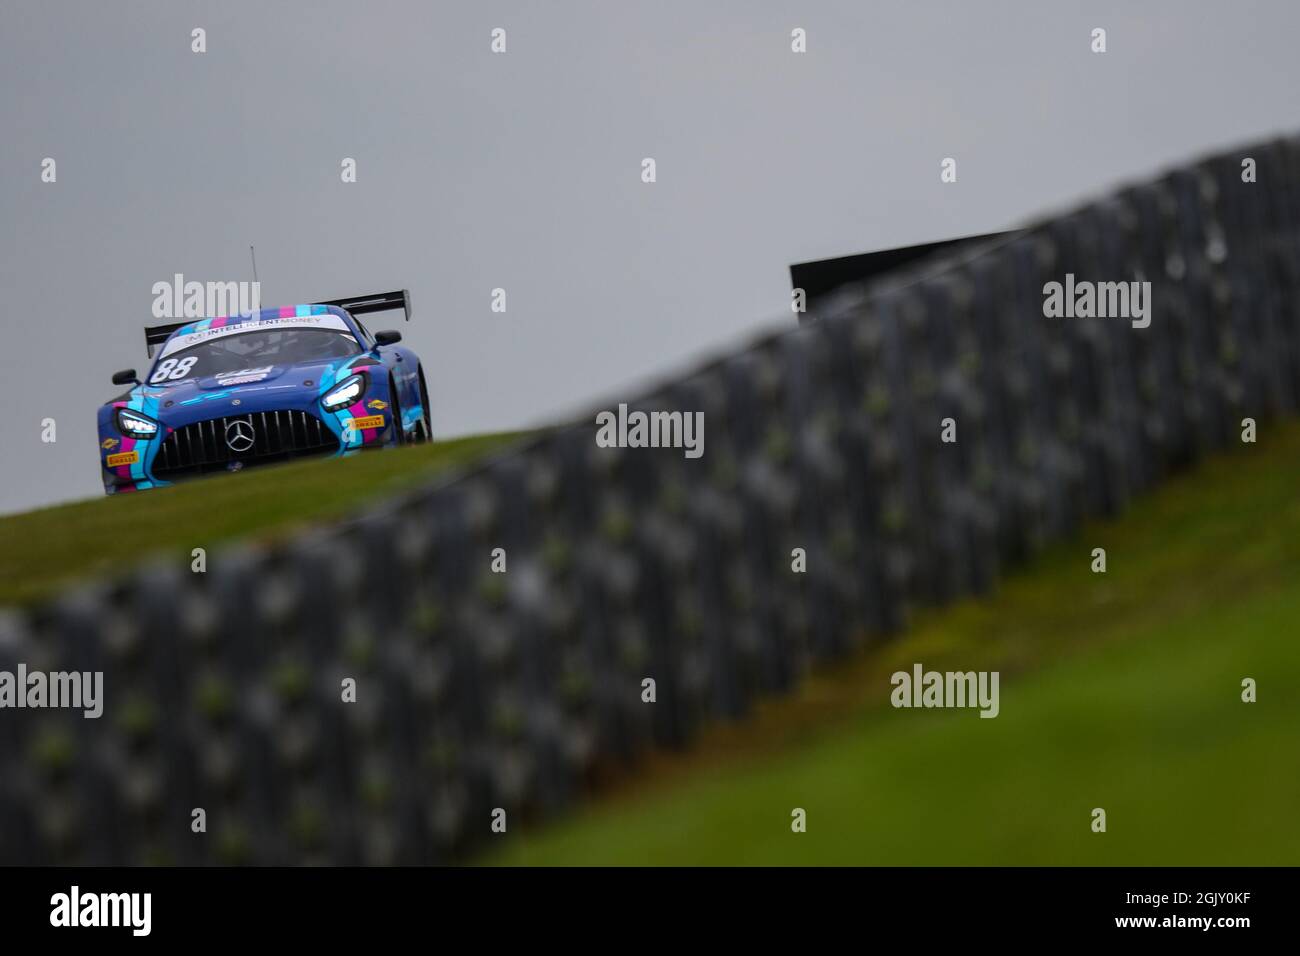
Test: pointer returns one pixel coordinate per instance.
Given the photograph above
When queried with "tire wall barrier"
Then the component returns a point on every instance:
(477, 690)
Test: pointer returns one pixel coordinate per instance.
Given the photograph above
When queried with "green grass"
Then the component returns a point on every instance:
(1120, 691)
(52, 546)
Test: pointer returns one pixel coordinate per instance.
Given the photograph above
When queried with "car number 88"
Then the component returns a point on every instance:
(173, 369)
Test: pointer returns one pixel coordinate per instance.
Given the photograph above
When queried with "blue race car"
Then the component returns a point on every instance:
(277, 384)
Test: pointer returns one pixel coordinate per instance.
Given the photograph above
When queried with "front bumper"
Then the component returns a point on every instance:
(240, 439)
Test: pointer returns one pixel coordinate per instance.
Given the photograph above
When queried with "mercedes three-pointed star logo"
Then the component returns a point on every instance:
(239, 435)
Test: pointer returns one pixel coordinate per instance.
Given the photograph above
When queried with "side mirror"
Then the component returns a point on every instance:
(126, 377)
(388, 337)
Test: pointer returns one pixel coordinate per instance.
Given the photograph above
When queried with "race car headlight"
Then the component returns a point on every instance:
(345, 393)
(136, 425)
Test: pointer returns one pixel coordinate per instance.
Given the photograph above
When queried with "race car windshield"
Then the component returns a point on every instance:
(256, 347)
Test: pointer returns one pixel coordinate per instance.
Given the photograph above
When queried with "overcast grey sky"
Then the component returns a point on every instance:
(522, 170)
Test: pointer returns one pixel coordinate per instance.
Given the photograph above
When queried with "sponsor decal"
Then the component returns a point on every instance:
(244, 377)
(378, 404)
(108, 444)
(123, 458)
(370, 421)
(183, 340)
(206, 397)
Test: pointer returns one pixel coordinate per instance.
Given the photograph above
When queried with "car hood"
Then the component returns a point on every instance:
(257, 389)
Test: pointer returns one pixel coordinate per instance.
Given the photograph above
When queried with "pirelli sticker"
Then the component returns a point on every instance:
(122, 458)
(370, 421)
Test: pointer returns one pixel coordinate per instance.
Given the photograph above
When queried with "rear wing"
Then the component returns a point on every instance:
(379, 302)
(156, 335)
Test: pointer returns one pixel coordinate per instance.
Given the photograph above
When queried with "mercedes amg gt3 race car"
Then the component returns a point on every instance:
(277, 384)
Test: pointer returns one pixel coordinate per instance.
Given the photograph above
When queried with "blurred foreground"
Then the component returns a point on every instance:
(1120, 690)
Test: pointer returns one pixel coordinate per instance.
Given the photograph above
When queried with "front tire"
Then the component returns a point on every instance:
(426, 424)
(395, 408)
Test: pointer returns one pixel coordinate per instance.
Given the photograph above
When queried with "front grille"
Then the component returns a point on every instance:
(202, 447)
